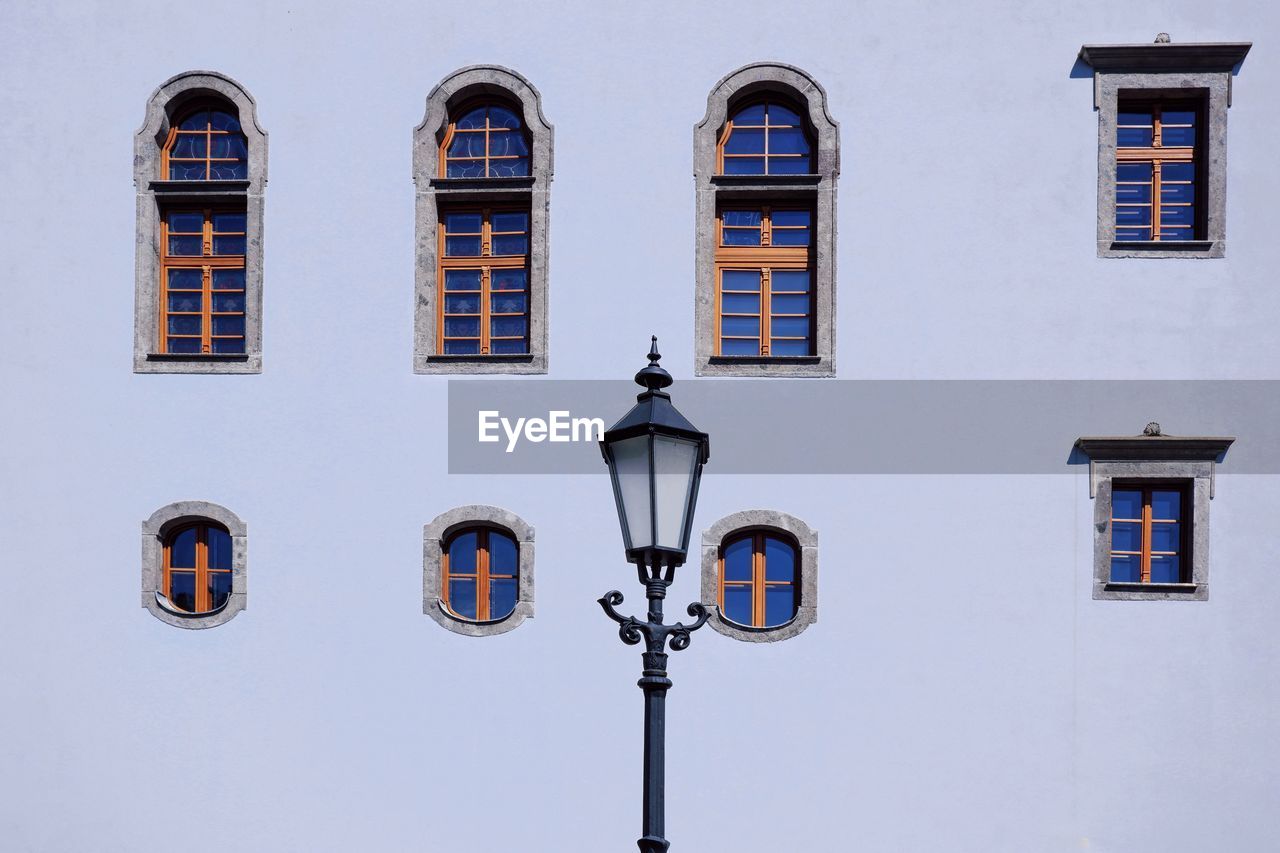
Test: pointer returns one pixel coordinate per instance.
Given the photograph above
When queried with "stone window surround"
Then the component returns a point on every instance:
(771, 521)
(433, 193)
(440, 529)
(1179, 460)
(157, 528)
(819, 189)
(155, 190)
(1162, 69)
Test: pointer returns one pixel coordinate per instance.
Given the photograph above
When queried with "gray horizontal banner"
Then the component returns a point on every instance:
(531, 426)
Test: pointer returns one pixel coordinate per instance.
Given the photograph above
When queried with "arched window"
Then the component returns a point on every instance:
(481, 574)
(765, 137)
(766, 157)
(206, 145)
(485, 140)
(482, 168)
(194, 564)
(200, 169)
(197, 567)
(759, 574)
(477, 570)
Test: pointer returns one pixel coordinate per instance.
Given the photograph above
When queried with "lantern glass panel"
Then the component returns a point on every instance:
(631, 479)
(674, 463)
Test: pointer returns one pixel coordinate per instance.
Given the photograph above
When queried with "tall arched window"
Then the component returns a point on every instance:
(759, 579)
(482, 165)
(766, 157)
(765, 137)
(200, 170)
(485, 140)
(481, 574)
(197, 567)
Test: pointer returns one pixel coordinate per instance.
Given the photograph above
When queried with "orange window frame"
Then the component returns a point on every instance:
(759, 582)
(1158, 155)
(202, 570)
(453, 130)
(1145, 551)
(483, 574)
(730, 126)
(486, 262)
(166, 151)
(764, 259)
(206, 262)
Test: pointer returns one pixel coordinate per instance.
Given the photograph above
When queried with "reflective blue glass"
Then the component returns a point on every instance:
(752, 115)
(1166, 504)
(187, 223)
(1177, 136)
(228, 302)
(791, 217)
(465, 304)
(462, 347)
(462, 246)
(1133, 193)
(502, 553)
(183, 301)
(737, 560)
(462, 223)
(733, 346)
(219, 542)
(227, 146)
(509, 168)
(779, 560)
(475, 119)
(1126, 568)
(744, 165)
(1132, 215)
(507, 145)
(467, 145)
(182, 590)
(184, 324)
(740, 236)
(779, 605)
(1133, 172)
(740, 326)
(516, 221)
(466, 169)
(1133, 233)
(502, 597)
(788, 142)
(184, 345)
(744, 141)
(462, 327)
(505, 327)
(229, 222)
(228, 245)
(1126, 536)
(509, 303)
(228, 345)
(1169, 117)
(508, 347)
(1126, 503)
(790, 327)
(740, 280)
(1178, 172)
(1166, 537)
(462, 553)
(182, 549)
(737, 604)
(229, 171)
(509, 280)
(185, 279)
(189, 145)
(790, 236)
(186, 245)
(788, 165)
(186, 171)
(780, 115)
(510, 244)
(1181, 193)
(223, 121)
(1177, 215)
(790, 280)
(228, 279)
(1166, 569)
(196, 121)
(462, 279)
(740, 303)
(462, 598)
(503, 117)
(746, 218)
(219, 589)
(797, 304)
(231, 325)
(790, 348)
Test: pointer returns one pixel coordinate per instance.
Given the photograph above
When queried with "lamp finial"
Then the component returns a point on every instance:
(653, 377)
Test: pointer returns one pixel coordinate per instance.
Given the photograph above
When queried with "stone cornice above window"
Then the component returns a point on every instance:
(1164, 448)
(1165, 56)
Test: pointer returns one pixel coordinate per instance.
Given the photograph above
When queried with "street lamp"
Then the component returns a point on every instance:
(655, 458)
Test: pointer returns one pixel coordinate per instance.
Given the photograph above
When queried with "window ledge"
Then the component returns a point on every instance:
(197, 356)
(1162, 248)
(200, 187)
(765, 359)
(1125, 586)
(525, 182)
(499, 358)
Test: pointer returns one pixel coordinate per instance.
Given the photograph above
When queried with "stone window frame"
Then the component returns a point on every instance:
(807, 585)
(445, 525)
(1188, 461)
(818, 189)
(155, 191)
(1164, 70)
(433, 192)
(154, 532)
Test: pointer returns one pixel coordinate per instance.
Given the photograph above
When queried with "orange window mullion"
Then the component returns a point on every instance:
(444, 577)
(482, 576)
(757, 580)
(485, 343)
(1145, 577)
(202, 569)
(766, 331)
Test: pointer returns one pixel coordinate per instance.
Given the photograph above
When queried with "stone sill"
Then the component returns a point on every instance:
(1162, 249)
(481, 359)
(1186, 588)
(525, 183)
(765, 359)
(197, 356)
(766, 181)
(197, 187)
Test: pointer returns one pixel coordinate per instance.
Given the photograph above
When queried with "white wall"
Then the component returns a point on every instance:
(960, 692)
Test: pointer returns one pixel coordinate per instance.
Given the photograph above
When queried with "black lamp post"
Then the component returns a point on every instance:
(655, 458)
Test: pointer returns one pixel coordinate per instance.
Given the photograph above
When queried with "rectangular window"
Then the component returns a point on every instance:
(764, 281)
(202, 281)
(1150, 529)
(1159, 186)
(484, 281)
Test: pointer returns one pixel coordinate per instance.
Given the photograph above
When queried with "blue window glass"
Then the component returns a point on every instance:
(228, 345)
(482, 574)
(779, 605)
(462, 597)
(740, 280)
(228, 279)
(1166, 568)
(1147, 534)
(738, 327)
(510, 280)
(737, 603)
(182, 590)
(766, 138)
(1126, 568)
(1126, 503)
(1126, 536)
(759, 579)
(502, 597)
(182, 549)
(740, 303)
(462, 553)
(198, 560)
(487, 141)
(219, 589)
